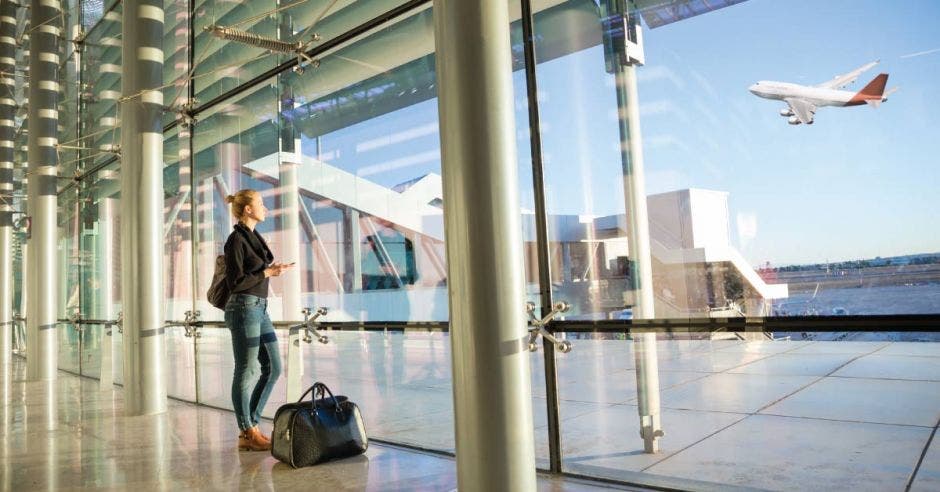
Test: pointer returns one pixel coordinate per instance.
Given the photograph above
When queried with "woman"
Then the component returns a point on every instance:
(248, 265)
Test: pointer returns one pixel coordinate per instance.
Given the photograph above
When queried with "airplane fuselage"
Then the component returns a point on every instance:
(803, 100)
(769, 89)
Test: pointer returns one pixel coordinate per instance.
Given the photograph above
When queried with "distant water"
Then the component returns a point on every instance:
(891, 299)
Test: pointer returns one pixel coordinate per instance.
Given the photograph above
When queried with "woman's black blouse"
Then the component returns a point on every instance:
(246, 257)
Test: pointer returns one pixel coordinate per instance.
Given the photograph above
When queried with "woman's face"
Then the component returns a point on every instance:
(256, 209)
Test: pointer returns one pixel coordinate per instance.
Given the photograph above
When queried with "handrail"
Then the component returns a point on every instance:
(929, 323)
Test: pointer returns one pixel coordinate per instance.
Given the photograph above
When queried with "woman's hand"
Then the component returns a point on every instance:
(276, 269)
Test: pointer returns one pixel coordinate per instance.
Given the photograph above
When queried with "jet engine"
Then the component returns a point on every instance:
(786, 112)
(793, 120)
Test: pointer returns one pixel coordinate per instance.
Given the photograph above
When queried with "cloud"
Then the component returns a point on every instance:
(921, 53)
(704, 84)
(657, 73)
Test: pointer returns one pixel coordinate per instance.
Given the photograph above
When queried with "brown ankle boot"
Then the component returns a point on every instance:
(261, 434)
(251, 440)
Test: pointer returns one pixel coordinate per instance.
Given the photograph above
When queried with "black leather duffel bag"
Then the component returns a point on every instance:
(323, 428)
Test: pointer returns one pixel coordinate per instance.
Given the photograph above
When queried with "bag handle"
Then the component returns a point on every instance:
(322, 390)
(301, 399)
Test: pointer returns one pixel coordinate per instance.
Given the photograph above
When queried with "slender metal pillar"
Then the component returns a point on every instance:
(352, 236)
(104, 302)
(142, 207)
(290, 239)
(288, 198)
(7, 110)
(492, 393)
(42, 356)
(288, 192)
(644, 344)
(289, 209)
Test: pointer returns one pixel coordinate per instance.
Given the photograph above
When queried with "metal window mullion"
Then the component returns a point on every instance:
(193, 216)
(541, 235)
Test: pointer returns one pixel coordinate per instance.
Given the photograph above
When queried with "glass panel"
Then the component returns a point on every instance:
(91, 350)
(222, 65)
(364, 127)
(68, 281)
(118, 347)
(101, 89)
(176, 52)
(225, 141)
(767, 222)
(733, 410)
(539, 408)
(581, 159)
(401, 382)
(181, 353)
(93, 10)
(178, 249)
(101, 266)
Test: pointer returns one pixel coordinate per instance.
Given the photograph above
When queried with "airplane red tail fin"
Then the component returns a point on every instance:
(873, 90)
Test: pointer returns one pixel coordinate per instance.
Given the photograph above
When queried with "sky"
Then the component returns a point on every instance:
(859, 183)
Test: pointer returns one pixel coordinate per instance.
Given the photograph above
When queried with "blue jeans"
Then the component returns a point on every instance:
(255, 346)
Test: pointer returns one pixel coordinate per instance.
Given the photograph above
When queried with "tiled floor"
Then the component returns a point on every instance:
(79, 439)
(779, 415)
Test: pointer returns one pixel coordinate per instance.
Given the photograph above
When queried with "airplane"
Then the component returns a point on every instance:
(802, 101)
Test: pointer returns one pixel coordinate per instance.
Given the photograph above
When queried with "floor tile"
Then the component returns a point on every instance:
(925, 349)
(740, 393)
(865, 400)
(783, 453)
(928, 476)
(795, 364)
(709, 361)
(858, 348)
(609, 437)
(765, 347)
(616, 387)
(893, 367)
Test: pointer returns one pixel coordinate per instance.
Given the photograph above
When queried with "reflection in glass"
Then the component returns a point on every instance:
(347, 159)
(400, 380)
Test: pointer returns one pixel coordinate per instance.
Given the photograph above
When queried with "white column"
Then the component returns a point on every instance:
(143, 295)
(41, 271)
(492, 393)
(7, 110)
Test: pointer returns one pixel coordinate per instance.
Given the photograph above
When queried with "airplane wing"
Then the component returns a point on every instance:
(841, 81)
(803, 109)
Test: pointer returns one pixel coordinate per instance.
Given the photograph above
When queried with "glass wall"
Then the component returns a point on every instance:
(813, 204)
(747, 215)
(681, 185)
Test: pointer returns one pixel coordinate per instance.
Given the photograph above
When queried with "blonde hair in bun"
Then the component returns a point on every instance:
(239, 200)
